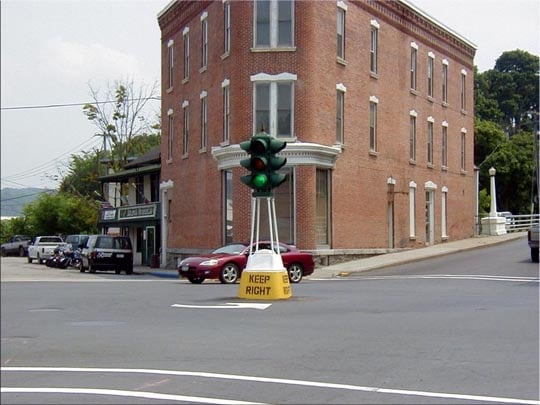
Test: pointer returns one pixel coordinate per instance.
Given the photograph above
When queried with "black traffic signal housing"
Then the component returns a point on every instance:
(263, 164)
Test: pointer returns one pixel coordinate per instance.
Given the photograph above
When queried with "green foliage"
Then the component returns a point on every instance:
(509, 92)
(506, 108)
(61, 214)
(13, 226)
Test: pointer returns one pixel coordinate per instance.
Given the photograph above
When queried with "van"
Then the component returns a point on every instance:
(75, 242)
(106, 252)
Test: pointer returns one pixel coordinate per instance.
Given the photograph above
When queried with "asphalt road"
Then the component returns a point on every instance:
(462, 328)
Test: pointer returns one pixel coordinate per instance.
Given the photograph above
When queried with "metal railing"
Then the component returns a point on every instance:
(519, 223)
(514, 223)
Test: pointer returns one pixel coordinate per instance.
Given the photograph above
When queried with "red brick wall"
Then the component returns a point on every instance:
(359, 189)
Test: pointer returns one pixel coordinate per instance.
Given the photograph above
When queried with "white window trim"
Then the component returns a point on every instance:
(444, 212)
(341, 87)
(412, 210)
(375, 23)
(273, 80)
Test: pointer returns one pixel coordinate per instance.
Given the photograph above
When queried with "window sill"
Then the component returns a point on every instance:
(275, 49)
(202, 150)
(169, 161)
(445, 104)
(464, 112)
(412, 237)
(203, 69)
(169, 90)
(430, 165)
(185, 156)
(431, 99)
(463, 172)
(374, 75)
(341, 61)
(445, 237)
(224, 143)
(412, 162)
(414, 92)
(373, 153)
(225, 55)
(444, 168)
(184, 81)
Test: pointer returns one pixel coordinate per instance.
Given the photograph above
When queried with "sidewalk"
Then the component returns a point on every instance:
(385, 260)
(391, 259)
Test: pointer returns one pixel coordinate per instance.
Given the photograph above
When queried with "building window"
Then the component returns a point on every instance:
(412, 210)
(445, 81)
(204, 40)
(444, 144)
(374, 41)
(226, 110)
(342, 8)
(463, 149)
(412, 136)
(170, 135)
(170, 62)
(414, 53)
(340, 113)
(274, 22)
(444, 212)
(185, 134)
(204, 120)
(227, 208)
(430, 141)
(323, 226)
(186, 53)
(227, 27)
(273, 104)
(373, 102)
(431, 62)
(463, 90)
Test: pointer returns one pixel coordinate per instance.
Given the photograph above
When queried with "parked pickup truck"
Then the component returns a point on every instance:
(532, 237)
(43, 247)
(16, 245)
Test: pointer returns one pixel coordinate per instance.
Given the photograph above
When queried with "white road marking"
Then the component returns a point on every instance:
(123, 393)
(466, 397)
(228, 305)
(437, 276)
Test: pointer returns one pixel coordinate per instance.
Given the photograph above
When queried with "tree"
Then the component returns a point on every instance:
(119, 122)
(508, 93)
(82, 176)
(61, 214)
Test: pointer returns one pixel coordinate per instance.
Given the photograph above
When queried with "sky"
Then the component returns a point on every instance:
(52, 51)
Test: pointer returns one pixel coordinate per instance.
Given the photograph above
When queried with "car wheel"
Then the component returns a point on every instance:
(91, 268)
(29, 259)
(81, 268)
(534, 255)
(229, 274)
(40, 261)
(117, 271)
(296, 272)
(129, 270)
(22, 253)
(195, 280)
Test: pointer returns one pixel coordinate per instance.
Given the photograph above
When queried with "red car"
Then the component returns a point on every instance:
(227, 263)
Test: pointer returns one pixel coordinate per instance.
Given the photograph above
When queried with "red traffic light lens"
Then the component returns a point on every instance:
(258, 164)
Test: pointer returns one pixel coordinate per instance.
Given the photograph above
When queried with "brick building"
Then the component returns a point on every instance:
(374, 100)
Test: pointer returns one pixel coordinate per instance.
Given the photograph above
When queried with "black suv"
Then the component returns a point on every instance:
(105, 252)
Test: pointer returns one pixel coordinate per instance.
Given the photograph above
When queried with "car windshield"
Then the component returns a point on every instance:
(234, 249)
(51, 239)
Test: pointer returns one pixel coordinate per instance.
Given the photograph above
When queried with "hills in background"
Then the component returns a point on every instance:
(12, 200)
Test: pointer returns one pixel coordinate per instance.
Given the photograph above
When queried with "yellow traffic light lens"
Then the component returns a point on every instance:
(260, 180)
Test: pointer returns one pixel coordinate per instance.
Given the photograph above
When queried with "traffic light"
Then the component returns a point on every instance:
(263, 164)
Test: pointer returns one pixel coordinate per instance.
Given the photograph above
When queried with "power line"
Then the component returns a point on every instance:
(35, 107)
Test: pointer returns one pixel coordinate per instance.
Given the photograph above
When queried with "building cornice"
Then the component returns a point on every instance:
(297, 154)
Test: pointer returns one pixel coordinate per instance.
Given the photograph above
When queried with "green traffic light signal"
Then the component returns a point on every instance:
(263, 164)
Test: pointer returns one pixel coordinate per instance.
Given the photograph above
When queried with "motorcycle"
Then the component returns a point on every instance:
(58, 259)
(64, 258)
